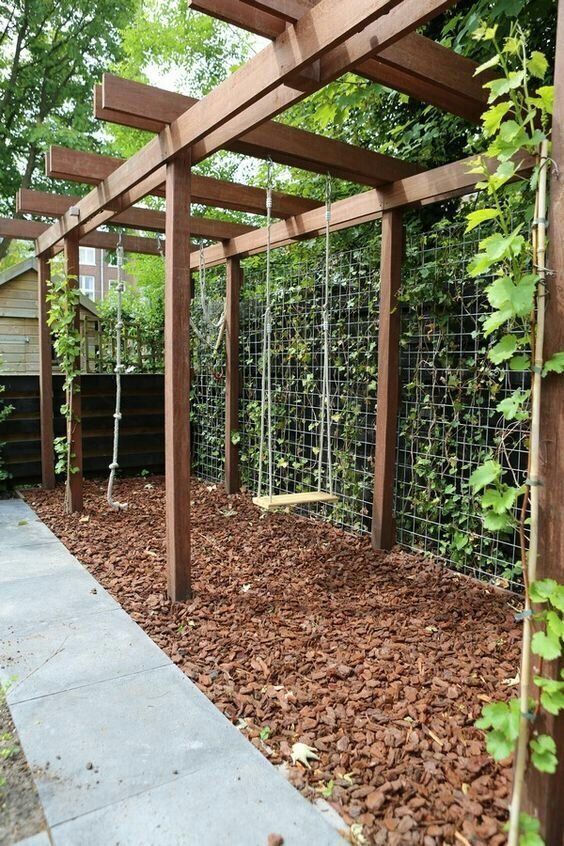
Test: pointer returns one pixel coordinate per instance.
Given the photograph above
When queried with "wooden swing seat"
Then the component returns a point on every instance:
(293, 500)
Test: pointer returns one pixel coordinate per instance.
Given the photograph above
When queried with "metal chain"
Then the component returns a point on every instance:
(119, 367)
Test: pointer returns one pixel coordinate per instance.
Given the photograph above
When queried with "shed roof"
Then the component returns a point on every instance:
(28, 264)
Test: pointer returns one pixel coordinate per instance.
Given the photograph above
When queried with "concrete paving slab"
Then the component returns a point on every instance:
(235, 805)
(9, 508)
(137, 732)
(26, 532)
(59, 656)
(40, 839)
(21, 562)
(123, 747)
(25, 603)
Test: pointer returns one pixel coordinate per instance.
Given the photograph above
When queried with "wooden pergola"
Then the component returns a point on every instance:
(313, 42)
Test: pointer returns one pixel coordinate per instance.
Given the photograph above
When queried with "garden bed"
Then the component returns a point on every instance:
(300, 632)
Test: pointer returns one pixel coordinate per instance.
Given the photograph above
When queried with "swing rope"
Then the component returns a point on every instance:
(266, 393)
(325, 407)
(118, 370)
(210, 342)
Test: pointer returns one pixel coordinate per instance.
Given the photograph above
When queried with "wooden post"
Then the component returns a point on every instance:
(72, 265)
(233, 288)
(177, 377)
(45, 376)
(383, 523)
(544, 793)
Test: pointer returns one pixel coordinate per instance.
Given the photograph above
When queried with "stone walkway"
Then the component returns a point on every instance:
(123, 747)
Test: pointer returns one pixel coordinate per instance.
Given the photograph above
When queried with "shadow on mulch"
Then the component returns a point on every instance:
(301, 632)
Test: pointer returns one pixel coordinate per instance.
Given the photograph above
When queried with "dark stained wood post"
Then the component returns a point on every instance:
(45, 376)
(544, 793)
(72, 265)
(177, 377)
(233, 288)
(383, 523)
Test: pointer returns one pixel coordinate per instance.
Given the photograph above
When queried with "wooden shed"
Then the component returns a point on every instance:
(19, 333)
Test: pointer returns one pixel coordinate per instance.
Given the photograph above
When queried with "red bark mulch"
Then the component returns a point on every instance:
(300, 631)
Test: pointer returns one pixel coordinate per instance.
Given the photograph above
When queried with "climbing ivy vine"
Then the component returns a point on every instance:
(5, 411)
(517, 124)
(63, 298)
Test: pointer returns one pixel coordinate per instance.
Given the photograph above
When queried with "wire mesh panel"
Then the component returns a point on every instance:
(448, 422)
(297, 363)
(207, 389)
(448, 419)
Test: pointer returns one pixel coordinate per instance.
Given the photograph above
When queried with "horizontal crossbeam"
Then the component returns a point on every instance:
(149, 220)
(29, 230)
(143, 106)
(252, 95)
(414, 64)
(93, 168)
(441, 183)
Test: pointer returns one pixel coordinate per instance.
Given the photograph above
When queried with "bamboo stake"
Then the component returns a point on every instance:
(521, 755)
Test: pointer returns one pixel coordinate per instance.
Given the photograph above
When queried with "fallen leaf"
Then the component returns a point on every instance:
(303, 754)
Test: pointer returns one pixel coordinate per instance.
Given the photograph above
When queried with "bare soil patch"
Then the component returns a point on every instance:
(300, 632)
(21, 814)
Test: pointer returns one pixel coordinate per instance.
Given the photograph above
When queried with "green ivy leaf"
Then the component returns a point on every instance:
(504, 349)
(488, 472)
(554, 364)
(542, 590)
(491, 120)
(529, 829)
(520, 362)
(557, 598)
(491, 63)
(537, 64)
(475, 218)
(512, 407)
(497, 522)
(502, 718)
(552, 694)
(504, 84)
(543, 753)
(544, 99)
(500, 500)
(546, 646)
(497, 319)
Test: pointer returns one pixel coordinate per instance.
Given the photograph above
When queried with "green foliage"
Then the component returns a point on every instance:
(63, 299)
(514, 127)
(501, 721)
(516, 122)
(5, 411)
(51, 53)
(543, 753)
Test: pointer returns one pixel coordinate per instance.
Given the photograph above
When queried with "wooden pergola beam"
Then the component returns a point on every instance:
(415, 65)
(177, 379)
(544, 792)
(387, 401)
(45, 377)
(150, 220)
(29, 230)
(93, 168)
(143, 106)
(255, 93)
(232, 302)
(451, 180)
(72, 267)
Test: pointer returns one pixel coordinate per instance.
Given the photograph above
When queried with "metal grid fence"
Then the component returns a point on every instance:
(447, 423)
